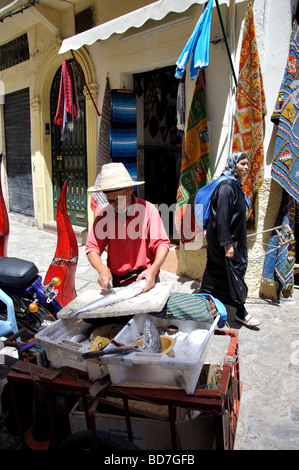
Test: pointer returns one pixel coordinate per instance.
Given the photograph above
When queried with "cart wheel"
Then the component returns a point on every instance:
(82, 440)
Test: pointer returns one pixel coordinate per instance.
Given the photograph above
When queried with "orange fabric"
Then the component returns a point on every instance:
(250, 112)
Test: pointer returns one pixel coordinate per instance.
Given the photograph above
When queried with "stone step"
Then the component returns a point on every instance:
(80, 232)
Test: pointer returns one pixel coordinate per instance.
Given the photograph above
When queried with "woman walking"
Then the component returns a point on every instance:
(227, 237)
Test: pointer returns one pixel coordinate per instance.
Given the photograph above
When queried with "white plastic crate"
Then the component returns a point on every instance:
(182, 370)
(61, 351)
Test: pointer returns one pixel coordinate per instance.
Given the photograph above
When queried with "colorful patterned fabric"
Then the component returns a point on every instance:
(250, 111)
(99, 200)
(195, 169)
(279, 260)
(285, 164)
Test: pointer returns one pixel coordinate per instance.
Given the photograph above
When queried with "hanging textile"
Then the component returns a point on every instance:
(195, 169)
(250, 112)
(67, 106)
(123, 130)
(197, 46)
(99, 200)
(64, 263)
(279, 264)
(285, 164)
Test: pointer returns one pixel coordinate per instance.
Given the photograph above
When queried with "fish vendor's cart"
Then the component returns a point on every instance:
(223, 401)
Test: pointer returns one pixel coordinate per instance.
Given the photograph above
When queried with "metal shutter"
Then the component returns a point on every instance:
(18, 152)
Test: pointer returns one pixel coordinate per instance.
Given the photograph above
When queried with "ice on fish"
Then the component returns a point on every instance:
(151, 338)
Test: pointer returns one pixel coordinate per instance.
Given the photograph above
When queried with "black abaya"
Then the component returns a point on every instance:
(227, 224)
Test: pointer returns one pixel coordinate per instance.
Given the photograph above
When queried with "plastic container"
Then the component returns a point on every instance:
(63, 351)
(181, 370)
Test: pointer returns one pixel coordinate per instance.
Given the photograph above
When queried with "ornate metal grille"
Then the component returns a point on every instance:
(14, 52)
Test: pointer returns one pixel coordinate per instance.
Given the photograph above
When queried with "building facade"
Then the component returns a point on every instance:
(137, 49)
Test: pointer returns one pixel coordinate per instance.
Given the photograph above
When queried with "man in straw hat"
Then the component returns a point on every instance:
(130, 228)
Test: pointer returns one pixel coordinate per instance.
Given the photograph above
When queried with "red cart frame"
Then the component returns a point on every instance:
(220, 401)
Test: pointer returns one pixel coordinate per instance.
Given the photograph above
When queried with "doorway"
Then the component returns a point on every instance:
(162, 141)
(69, 156)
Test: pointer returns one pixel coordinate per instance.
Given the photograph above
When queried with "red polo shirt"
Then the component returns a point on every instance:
(132, 241)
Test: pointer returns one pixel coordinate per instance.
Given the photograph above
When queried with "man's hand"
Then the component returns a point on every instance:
(150, 273)
(105, 277)
(150, 277)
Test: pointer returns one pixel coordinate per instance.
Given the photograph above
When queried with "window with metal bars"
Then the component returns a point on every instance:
(14, 52)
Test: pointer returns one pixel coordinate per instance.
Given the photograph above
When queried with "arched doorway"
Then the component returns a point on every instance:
(69, 156)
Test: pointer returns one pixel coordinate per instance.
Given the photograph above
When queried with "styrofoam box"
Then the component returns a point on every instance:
(182, 370)
(62, 351)
(152, 434)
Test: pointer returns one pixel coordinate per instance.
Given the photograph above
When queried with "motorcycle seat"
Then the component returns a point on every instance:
(16, 272)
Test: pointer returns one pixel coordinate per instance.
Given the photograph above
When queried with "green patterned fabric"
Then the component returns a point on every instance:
(182, 306)
(195, 168)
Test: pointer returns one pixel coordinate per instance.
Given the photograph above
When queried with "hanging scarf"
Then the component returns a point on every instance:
(250, 111)
(67, 107)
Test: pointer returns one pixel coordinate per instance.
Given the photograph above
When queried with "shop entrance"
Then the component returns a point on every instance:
(156, 97)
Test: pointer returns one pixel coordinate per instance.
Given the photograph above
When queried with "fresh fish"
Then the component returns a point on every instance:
(119, 295)
(82, 336)
(151, 338)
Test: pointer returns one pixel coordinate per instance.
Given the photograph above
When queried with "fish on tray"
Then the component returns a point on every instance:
(151, 343)
(118, 295)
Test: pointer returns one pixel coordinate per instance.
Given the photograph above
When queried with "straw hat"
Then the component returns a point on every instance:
(114, 176)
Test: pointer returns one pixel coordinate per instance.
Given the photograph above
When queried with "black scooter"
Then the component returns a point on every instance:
(33, 303)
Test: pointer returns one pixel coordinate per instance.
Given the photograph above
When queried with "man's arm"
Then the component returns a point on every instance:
(150, 273)
(104, 273)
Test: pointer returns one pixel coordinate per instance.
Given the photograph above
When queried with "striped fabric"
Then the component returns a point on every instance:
(182, 306)
(99, 200)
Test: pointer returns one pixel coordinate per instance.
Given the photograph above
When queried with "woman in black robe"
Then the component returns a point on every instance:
(227, 237)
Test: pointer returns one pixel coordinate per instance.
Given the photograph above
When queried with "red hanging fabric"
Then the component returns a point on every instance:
(66, 94)
(64, 263)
